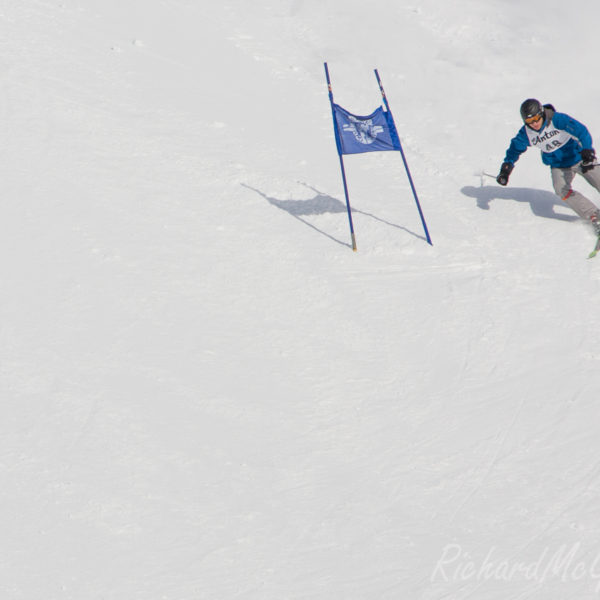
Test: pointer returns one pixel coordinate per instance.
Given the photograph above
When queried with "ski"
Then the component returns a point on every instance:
(596, 248)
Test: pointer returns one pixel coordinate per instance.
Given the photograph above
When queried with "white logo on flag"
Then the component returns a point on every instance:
(363, 130)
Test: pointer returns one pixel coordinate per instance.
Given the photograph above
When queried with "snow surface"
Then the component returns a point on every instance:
(205, 394)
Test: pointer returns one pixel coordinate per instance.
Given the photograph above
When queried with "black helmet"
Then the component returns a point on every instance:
(531, 108)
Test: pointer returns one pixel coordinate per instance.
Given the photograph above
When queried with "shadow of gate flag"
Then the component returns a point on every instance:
(374, 133)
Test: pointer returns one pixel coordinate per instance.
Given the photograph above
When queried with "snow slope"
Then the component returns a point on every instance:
(205, 393)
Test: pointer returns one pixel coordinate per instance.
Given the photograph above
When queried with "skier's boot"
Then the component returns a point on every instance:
(595, 219)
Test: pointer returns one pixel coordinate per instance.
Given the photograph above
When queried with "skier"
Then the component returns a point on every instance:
(566, 146)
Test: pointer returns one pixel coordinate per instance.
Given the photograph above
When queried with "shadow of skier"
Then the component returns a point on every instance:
(318, 205)
(542, 203)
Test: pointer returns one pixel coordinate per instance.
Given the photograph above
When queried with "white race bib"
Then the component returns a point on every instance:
(548, 140)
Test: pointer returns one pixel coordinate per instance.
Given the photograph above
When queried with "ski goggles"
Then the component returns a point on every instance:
(535, 119)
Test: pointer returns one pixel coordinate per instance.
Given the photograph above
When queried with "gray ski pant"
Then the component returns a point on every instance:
(562, 179)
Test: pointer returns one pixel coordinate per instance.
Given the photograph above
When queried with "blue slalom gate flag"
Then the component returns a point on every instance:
(374, 133)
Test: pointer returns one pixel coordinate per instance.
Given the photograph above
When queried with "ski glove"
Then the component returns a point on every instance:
(505, 171)
(588, 157)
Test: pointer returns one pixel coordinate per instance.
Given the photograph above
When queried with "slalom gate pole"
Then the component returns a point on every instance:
(339, 150)
(412, 185)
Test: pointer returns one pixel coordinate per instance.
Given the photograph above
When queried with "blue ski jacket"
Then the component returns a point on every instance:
(560, 140)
